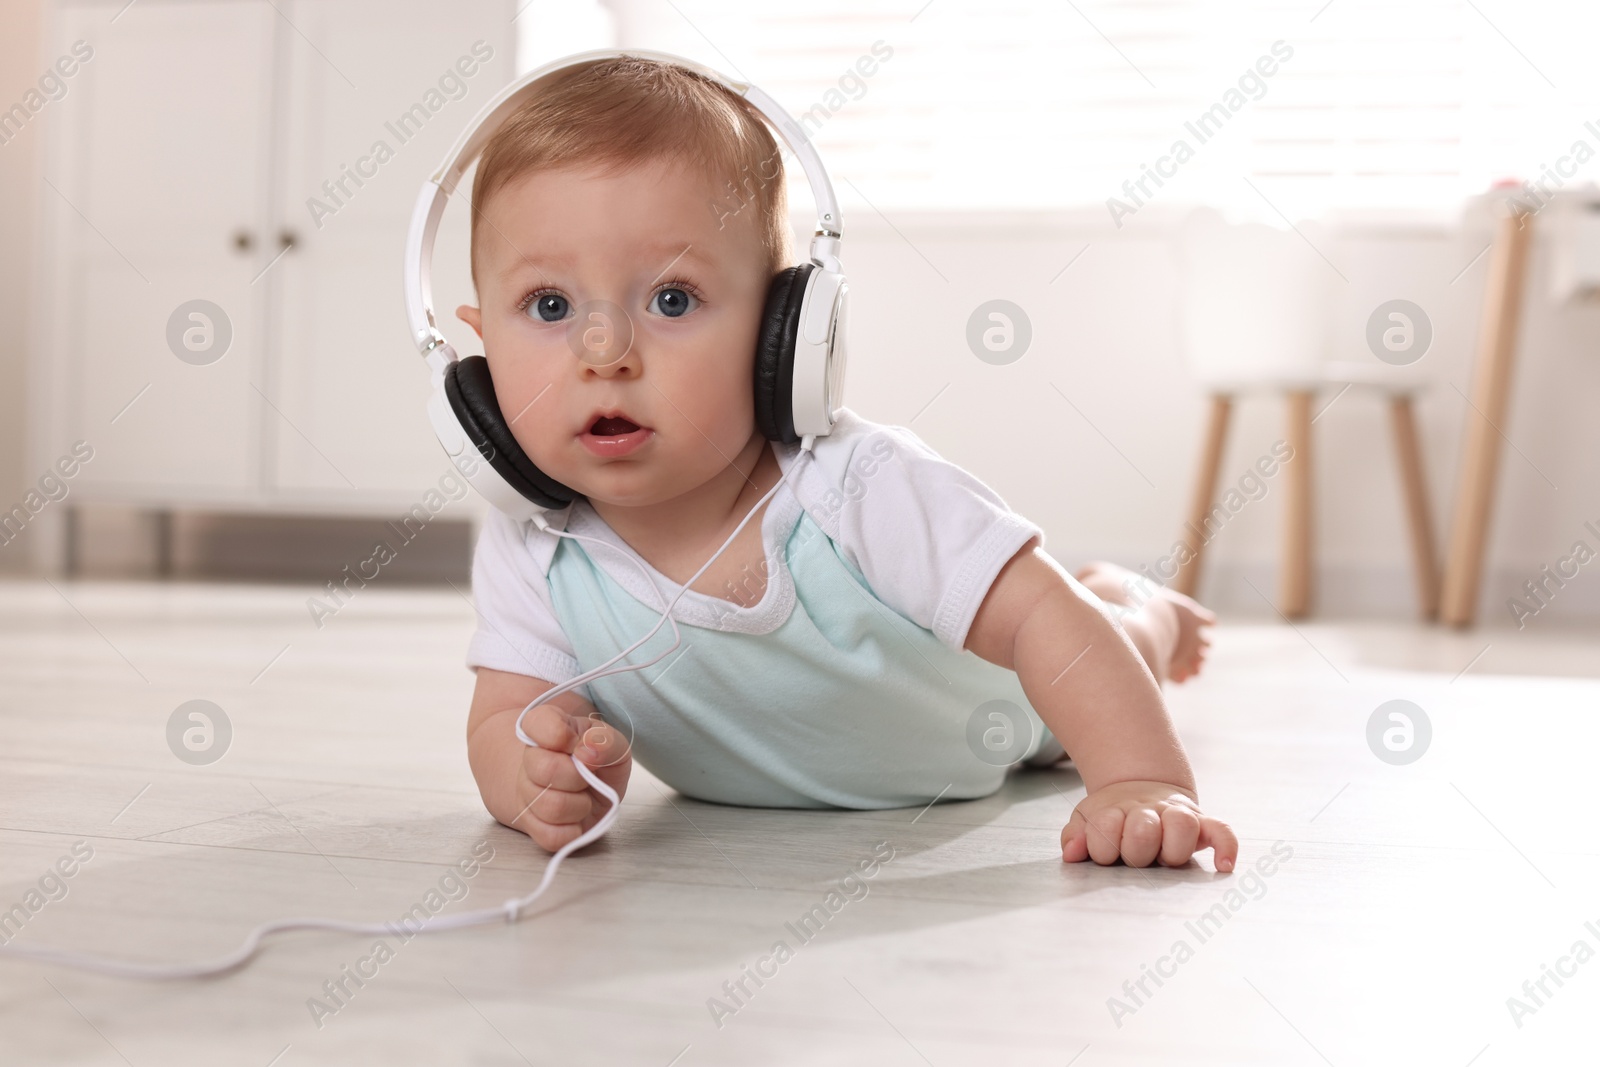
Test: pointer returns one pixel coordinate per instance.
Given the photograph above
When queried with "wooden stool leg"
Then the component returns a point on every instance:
(1491, 386)
(1187, 580)
(163, 530)
(1418, 517)
(72, 542)
(1294, 583)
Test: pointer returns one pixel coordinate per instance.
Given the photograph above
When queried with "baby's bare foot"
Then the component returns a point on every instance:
(1193, 640)
(1166, 626)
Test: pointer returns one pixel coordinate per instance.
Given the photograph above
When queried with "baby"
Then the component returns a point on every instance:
(884, 633)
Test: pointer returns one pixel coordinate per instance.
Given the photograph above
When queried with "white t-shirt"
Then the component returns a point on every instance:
(927, 536)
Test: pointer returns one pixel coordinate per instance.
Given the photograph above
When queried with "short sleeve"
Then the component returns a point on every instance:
(928, 536)
(517, 630)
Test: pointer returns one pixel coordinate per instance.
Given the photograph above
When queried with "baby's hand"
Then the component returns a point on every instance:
(1144, 821)
(557, 804)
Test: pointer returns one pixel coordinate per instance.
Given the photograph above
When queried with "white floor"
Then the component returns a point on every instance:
(1416, 900)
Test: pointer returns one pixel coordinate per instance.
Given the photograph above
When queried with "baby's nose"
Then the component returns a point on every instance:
(601, 335)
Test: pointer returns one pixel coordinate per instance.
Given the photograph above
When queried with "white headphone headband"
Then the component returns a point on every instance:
(437, 189)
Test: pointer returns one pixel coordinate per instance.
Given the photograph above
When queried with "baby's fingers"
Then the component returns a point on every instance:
(552, 817)
(1180, 834)
(1074, 843)
(549, 805)
(1141, 837)
(1095, 836)
(559, 807)
(590, 737)
(1105, 835)
(600, 744)
(552, 727)
(553, 836)
(1220, 838)
(553, 768)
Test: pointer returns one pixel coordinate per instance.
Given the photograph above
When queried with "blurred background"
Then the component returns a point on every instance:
(1073, 231)
(1304, 288)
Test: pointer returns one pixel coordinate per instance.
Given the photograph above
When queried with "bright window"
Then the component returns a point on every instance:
(1006, 104)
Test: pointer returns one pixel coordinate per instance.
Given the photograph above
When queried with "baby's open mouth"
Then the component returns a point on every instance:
(609, 426)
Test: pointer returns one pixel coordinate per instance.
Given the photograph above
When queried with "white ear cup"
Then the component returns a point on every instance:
(820, 349)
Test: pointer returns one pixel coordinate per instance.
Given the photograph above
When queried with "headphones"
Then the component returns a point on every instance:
(800, 348)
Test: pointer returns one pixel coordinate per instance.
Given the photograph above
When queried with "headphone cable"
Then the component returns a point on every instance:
(510, 911)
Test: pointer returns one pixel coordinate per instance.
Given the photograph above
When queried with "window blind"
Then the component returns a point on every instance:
(1021, 104)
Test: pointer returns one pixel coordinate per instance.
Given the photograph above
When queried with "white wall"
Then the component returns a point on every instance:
(1106, 335)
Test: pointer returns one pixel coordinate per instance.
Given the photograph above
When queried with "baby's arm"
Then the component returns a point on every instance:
(1107, 712)
(538, 790)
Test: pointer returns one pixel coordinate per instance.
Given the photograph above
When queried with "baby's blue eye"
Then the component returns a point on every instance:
(548, 307)
(673, 301)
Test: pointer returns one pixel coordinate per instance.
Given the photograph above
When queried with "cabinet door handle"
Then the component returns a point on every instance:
(243, 241)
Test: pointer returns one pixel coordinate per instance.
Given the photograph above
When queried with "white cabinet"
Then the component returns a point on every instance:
(160, 164)
(264, 157)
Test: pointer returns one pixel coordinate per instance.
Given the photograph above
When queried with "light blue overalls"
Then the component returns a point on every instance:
(847, 703)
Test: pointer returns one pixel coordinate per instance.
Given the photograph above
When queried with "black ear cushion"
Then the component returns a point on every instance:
(774, 373)
(470, 390)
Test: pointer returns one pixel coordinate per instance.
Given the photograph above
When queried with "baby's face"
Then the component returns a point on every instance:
(605, 294)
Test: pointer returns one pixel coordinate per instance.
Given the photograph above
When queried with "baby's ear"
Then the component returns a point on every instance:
(472, 317)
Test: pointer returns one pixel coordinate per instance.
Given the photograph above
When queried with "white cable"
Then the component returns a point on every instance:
(509, 911)
(601, 671)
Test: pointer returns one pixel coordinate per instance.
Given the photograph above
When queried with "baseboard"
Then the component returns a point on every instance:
(124, 543)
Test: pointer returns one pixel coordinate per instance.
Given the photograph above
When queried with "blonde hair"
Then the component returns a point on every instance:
(623, 111)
